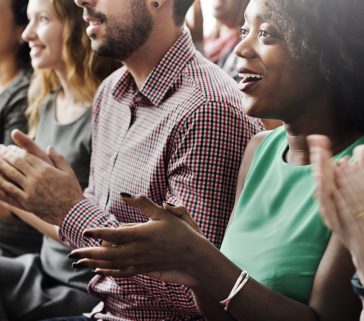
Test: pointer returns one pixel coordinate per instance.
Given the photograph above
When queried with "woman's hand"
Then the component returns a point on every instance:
(340, 192)
(162, 248)
(5, 213)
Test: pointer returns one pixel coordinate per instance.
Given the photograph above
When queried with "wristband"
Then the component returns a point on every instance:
(239, 284)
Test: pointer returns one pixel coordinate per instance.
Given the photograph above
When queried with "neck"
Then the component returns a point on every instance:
(67, 92)
(325, 122)
(68, 107)
(147, 57)
(8, 70)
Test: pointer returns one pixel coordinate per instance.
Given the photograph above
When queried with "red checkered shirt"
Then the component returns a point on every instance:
(180, 138)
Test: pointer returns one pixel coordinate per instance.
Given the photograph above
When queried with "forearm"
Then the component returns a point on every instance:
(210, 308)
(254, 302)
(40, 225)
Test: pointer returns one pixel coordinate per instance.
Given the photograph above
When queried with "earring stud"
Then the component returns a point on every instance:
(155, 4)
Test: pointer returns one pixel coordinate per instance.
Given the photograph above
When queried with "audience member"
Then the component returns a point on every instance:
(37, 286)
(15, 72)
(14, 68)
(169, 124)
(219, 46)
(308, 73)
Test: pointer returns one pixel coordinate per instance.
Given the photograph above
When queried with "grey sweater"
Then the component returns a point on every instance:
(13, 101)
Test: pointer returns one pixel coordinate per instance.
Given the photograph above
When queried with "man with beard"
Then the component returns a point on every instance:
(169, 125)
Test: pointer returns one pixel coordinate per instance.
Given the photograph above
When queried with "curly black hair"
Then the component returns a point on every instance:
(19, 10)
(327, 34)
(180, 10)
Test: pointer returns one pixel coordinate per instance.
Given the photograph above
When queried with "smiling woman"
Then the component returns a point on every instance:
(300, 62)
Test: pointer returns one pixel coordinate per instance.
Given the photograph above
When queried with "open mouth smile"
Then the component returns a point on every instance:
(249, 80)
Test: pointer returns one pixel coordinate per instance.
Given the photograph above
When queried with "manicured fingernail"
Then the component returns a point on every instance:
(74, 256)
(79, 265)
(87, 234)
(170, 204)
(125, 195)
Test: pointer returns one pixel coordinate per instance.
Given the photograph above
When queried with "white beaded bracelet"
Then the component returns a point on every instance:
(239, 284)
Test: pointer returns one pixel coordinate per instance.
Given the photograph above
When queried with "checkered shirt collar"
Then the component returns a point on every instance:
(163, 76)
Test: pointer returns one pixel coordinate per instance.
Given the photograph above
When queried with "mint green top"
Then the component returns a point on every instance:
(277, 234)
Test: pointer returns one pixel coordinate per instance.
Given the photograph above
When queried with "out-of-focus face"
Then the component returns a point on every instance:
(117, 27)
(229, 12)
(273, 84)
(44, 34)
(9, 32)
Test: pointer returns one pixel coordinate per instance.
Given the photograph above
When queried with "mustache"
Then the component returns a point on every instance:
(94, 14)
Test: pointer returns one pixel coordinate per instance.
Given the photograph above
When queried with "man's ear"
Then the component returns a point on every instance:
(157, 4)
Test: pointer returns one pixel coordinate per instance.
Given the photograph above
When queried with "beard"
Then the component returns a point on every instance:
(121, 40)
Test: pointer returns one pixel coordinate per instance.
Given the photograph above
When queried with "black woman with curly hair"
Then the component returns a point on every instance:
(301, 61)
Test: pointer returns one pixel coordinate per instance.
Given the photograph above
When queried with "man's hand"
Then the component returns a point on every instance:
(44, 184)
(26, 143)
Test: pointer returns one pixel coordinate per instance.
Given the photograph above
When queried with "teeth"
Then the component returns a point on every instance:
(248, 75)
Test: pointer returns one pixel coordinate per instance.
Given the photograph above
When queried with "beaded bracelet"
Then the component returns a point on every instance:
(239, 284)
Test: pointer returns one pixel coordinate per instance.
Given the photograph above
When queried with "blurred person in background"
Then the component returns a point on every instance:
(15, 68)
(67, 74)
(15, 73)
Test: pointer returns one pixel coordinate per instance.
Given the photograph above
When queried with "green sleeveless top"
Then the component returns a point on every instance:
(277, 234)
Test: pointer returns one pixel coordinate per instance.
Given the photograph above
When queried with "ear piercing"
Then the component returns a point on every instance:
(155, 4)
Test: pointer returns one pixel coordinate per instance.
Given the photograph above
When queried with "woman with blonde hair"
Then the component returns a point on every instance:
(36, 286)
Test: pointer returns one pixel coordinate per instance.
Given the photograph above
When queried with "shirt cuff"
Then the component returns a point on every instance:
(77, 220)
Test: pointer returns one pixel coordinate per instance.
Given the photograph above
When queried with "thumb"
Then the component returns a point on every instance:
(25, 142)
(58, 160)
(147, 206)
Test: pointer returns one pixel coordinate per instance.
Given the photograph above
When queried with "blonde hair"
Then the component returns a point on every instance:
(82, 67)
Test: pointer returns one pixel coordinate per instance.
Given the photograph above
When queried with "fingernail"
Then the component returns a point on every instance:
(87, 234)
(125, 195)
(98, 272)
(74, 256)
(79, 265)
(170, 204)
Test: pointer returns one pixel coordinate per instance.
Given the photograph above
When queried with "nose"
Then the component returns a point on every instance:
(246, 48)
(28, 34)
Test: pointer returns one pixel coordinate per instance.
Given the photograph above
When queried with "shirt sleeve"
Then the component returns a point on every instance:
(204, 161)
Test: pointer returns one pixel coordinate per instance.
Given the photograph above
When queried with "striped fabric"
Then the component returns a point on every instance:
(180, 139)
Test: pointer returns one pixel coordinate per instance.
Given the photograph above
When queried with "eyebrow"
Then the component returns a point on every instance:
(258, 17)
